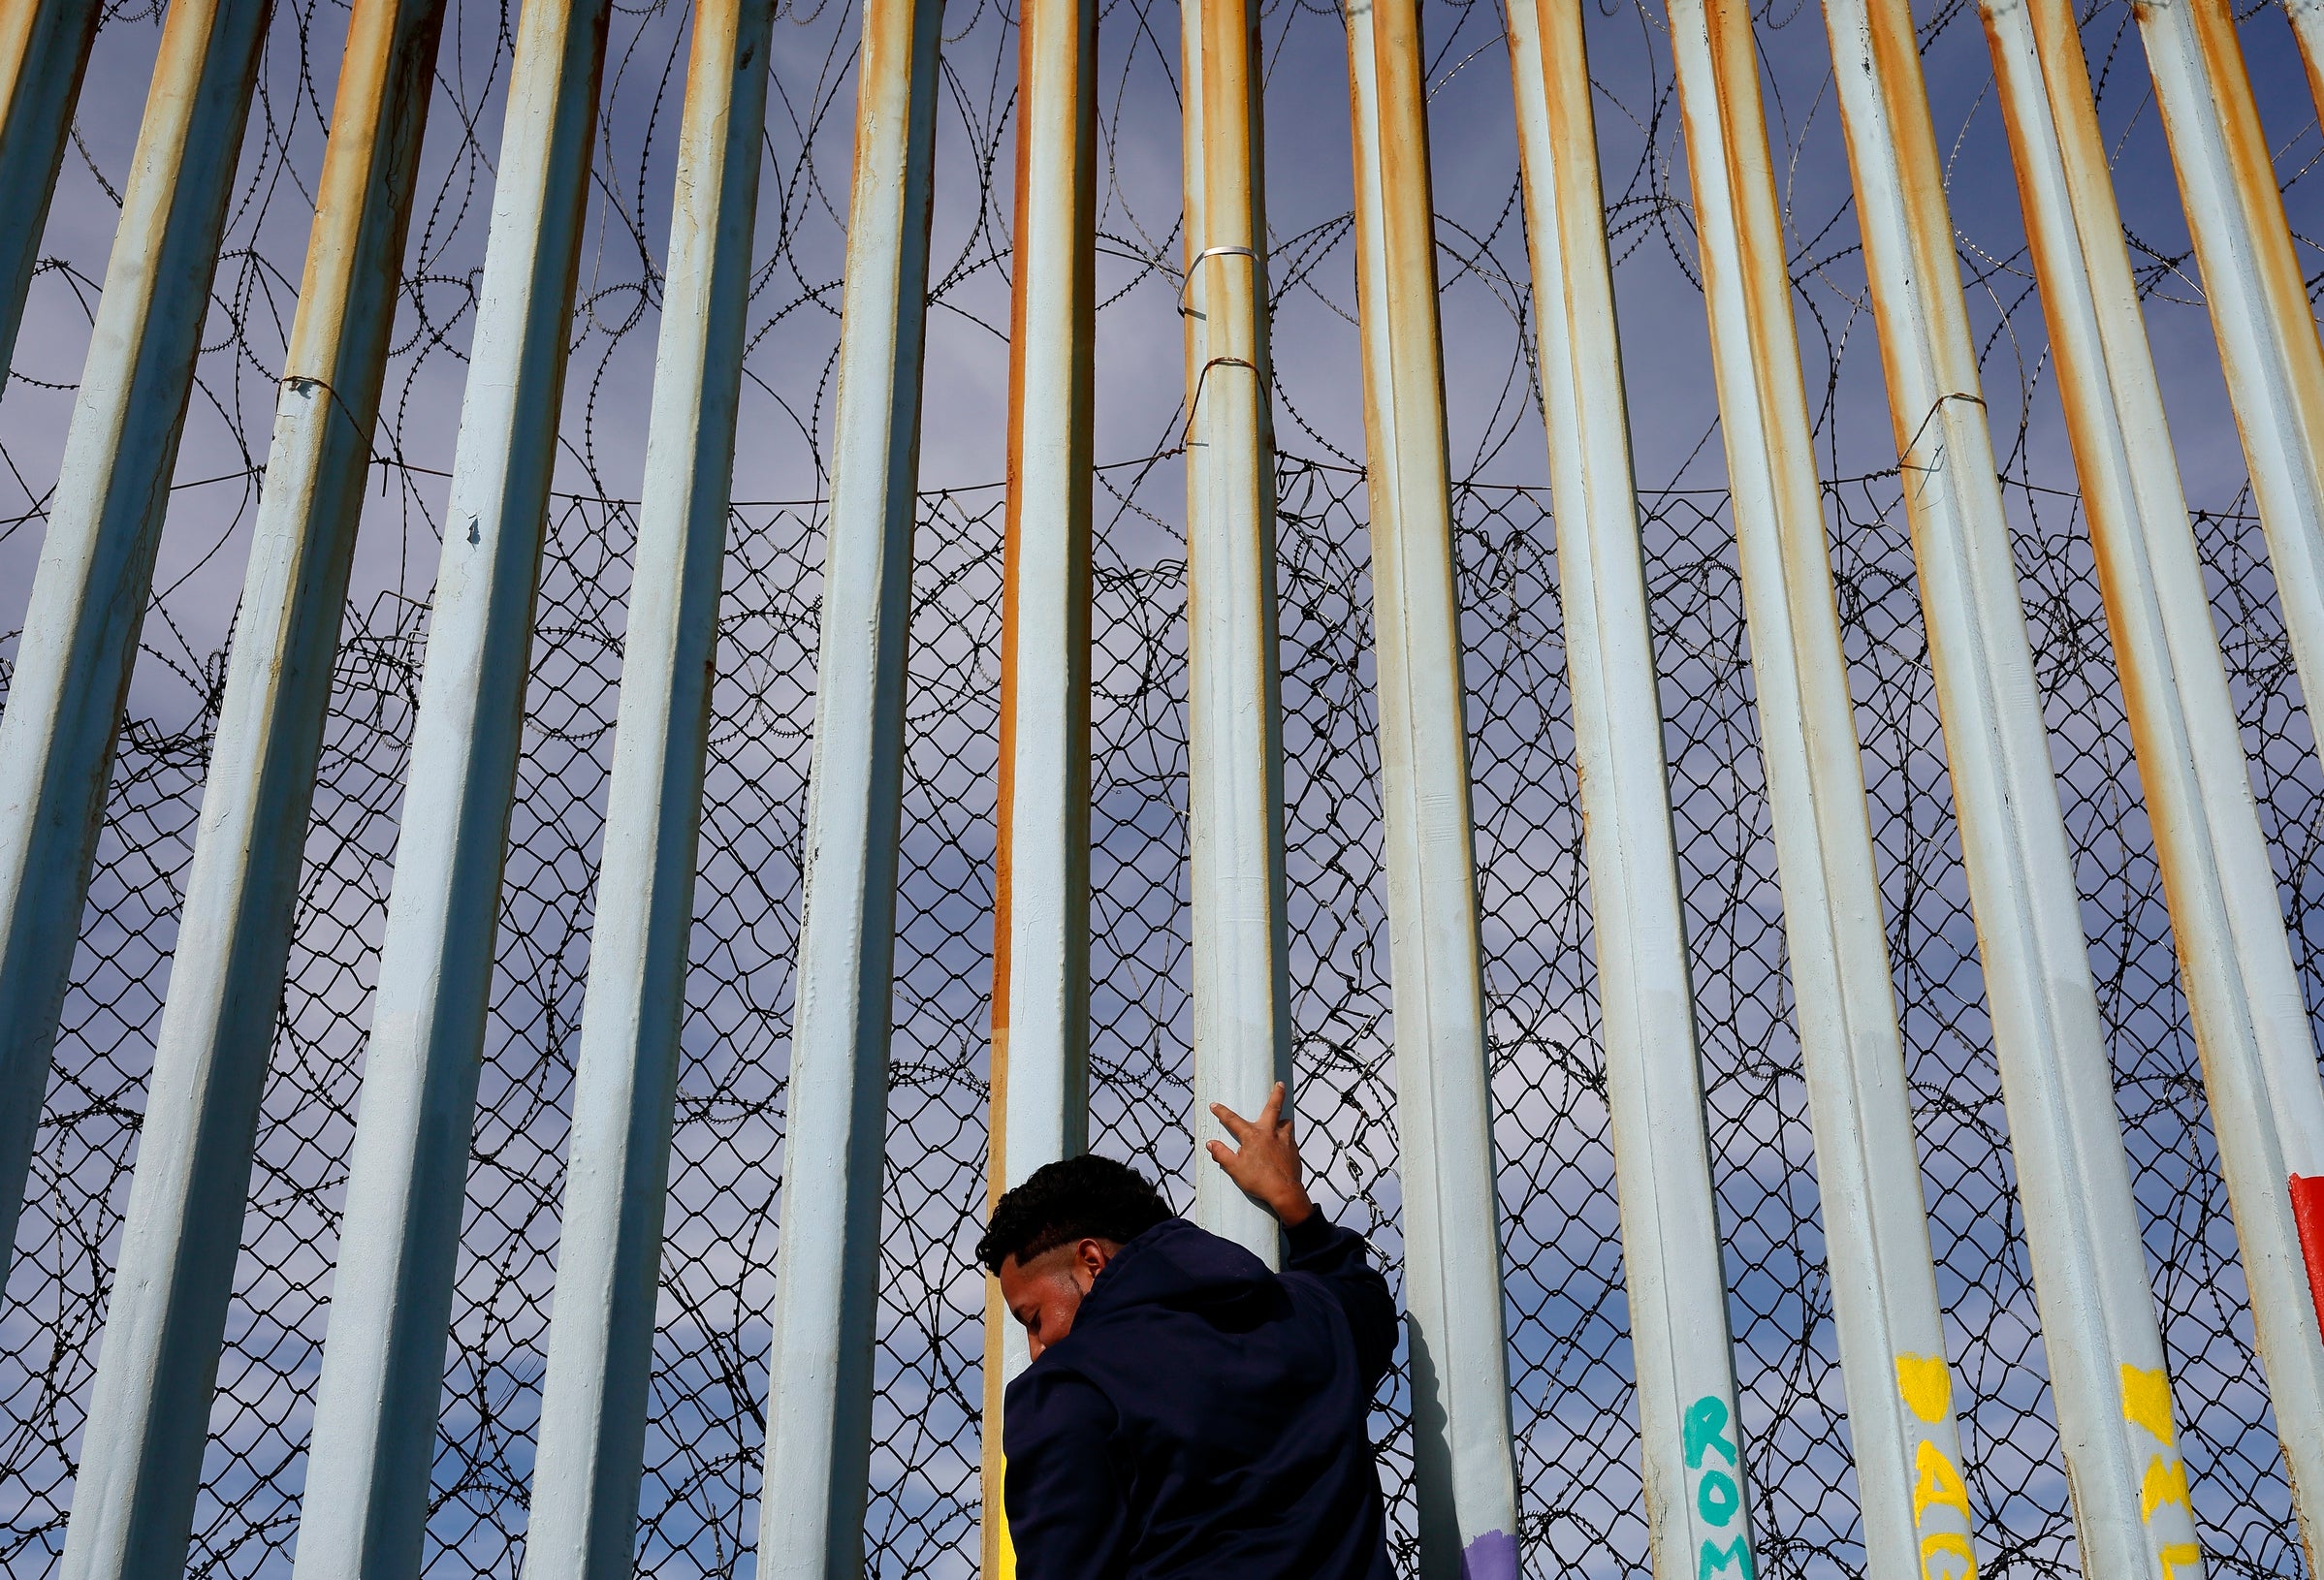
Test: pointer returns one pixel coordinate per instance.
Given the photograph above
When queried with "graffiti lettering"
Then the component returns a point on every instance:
(1925, 1385)
(1715, 1559)
(1718, 1497)
(2183, 1555)
(1706, 1429)
(2165, 1482)
(2146, 1402)
(1937, 1482)
(1945, 1545)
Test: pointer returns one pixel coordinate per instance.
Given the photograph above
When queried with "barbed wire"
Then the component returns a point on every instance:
(1575, 1409)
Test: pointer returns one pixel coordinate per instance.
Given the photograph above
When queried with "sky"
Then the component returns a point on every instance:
(1571, 1371)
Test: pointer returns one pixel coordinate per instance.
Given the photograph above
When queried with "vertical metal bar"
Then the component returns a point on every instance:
(1042, 902)
(96, 568)
(1242, 1021)
(2307, 26)
(1464, 1462)
(44, 54)
(2097, 1311)
(819, 1393)
(582, 1520)
(2260, 314)
(1697, 1502)
(365, 1506)
(140, 1464)
(2251, 1025)
(1902, 1430)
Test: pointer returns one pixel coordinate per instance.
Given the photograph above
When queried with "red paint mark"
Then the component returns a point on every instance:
(2307, 1212)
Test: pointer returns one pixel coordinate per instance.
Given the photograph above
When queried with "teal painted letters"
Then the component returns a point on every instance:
(1706, 1428)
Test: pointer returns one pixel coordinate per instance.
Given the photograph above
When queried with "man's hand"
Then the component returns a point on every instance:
(1266, 1165)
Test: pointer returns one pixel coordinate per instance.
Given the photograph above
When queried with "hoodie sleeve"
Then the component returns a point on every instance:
(1336, 1257)
(1067, 1509)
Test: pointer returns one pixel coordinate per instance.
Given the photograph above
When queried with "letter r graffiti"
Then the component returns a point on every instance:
(1706, 1429)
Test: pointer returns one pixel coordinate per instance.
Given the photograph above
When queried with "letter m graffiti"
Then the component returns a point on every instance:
(1717, 1560)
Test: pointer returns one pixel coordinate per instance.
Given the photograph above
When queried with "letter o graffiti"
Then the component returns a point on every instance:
(1717, 1496)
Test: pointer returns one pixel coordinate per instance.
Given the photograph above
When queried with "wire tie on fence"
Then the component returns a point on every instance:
(1185, 311)
(1195, 405)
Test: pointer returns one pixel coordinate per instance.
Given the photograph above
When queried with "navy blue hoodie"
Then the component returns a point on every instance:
(1207, 1416)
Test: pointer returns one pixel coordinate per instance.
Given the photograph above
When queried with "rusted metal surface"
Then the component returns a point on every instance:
(2081, 1224)
(2260, 313)
(2251, 1019)
(367, 1495)
(1241, 975)
(826, 1273)
(1042, 899)
(44, 54)
(1463, 1460)
(141, 1462)
(1672, 1264)
(1902, 1430)
(96, 568)
(582, 1520)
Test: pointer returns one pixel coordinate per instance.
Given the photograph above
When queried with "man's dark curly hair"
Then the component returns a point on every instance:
(1080, 1198)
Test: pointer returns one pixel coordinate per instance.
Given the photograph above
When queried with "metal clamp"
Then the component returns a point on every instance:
(1194, 263)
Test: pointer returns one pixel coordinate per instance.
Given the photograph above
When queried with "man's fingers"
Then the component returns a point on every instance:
(1217, 1150)
(1237, 1126)
(1271, 1114)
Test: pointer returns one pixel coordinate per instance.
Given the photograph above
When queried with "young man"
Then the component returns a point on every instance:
(1187, 1412)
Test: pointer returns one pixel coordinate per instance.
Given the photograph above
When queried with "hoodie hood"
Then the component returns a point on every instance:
(1175, 1266)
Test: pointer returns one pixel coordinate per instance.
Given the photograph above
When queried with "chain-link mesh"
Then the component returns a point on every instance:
(1575, 1404)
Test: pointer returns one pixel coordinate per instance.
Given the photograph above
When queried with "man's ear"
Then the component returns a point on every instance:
(1090, 1257)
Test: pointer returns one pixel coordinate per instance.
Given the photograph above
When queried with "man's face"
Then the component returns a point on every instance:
(1044, 1293)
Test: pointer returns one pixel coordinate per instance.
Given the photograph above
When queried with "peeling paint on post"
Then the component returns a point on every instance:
(1671, 1256)
(826, 1273)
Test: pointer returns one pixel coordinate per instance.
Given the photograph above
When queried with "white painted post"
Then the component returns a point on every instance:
(1697, 1498)
(2261, 317)
(366, 1507)
(96, 568)
(1463, 1459)
(1241, 968)
(2097, 1311)
(1041, 895)
(2307, 26)
(582, 1523)
(148, 1425)
(44, 54)
(2252, 1024)
(1902, 1430)
(819, 1391)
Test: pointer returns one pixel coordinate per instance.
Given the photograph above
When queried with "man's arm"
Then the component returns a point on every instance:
(1336, 1257)
(1266, 1166)
(1067, 1510)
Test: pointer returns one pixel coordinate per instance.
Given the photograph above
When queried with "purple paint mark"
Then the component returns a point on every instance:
(1492, 1556)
